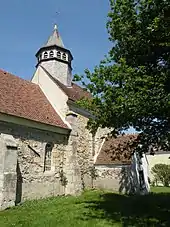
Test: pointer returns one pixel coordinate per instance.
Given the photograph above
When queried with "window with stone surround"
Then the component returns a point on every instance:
(45, 55)
(48, 156)
(58, 54)
(51, 54)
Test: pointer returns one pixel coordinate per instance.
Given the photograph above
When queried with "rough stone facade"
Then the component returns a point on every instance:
(8, 176)
(72, 160)
(23, 172)
(83, 147)
(59, 70)
(72, 167)
(32, 181)
(86, 147)
(116, 178)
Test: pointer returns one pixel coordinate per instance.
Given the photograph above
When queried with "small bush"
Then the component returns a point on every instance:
(161, 174)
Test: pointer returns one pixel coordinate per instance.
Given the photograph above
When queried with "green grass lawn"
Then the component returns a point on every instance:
(160, 189)
(93, 208)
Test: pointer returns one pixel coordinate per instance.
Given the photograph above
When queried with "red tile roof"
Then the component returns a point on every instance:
(75, 92)
(117, 150)
(25, 99)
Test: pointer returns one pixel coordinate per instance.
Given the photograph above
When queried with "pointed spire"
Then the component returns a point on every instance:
(55, 38)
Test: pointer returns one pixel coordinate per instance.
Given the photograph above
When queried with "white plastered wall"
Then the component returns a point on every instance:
(54, 94)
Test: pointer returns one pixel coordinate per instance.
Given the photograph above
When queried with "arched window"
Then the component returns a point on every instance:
(64, 57)
(48, 156)
(51, 54)
(58, 54)
(45, 55)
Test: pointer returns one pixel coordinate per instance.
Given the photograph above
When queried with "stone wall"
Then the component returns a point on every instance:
(72, 163)
(32, 181)
(8, 176)
(114, 177)
(81, 140)
(108, 178)
(59, 70)
(86, 147)
(72, 160)
(84, 151)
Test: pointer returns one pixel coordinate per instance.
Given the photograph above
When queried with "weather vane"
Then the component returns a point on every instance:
(57, 13)
(55, 24)
(55, 17)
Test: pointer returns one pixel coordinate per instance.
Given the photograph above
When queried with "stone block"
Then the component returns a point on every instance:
(37, 190)
(10, 160)
(8, 176)
(8, 190)
(9, 140)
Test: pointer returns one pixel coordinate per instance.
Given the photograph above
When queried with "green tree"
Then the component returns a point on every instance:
(131, 86)
(161, 173)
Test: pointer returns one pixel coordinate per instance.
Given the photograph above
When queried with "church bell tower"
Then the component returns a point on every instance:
(56, 59)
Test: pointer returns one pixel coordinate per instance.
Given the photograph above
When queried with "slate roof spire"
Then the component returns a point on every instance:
(55, 38)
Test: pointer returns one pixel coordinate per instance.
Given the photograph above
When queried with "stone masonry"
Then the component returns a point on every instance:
(72, 162)
(8, 176)
(32, 181)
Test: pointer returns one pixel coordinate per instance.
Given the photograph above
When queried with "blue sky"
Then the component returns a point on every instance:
(25, 26)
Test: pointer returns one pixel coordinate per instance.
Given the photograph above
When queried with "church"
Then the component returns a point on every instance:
(45, 148)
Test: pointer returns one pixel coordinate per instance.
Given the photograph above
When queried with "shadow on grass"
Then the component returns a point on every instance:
(139, 211)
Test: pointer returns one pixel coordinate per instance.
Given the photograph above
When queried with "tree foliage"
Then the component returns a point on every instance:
(161, 174)
(131, 86)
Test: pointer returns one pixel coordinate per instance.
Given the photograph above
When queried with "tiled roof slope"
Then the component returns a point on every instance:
(117, 150)
(75, 92)
(25, 99)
